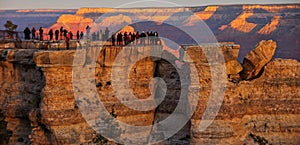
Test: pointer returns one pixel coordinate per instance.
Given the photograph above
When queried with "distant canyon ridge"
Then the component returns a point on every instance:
(243, 24)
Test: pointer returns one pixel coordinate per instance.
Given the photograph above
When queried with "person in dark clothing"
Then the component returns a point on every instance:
(33, 33)
(65, 32)
(119, 38)
(143, 37)
(41, 33)
(113, 39)
(156, 39)
(129, 37)
(71, 35)
(67, 39)
(133, 37)
(81, 35)
(27, 33)
(61, 30)
(125, 38)
(77, 35)
(106, 33)
(147, 38)
(88, 30)
(137, 37)
(151, 37)
(56, 34)
(50, 33)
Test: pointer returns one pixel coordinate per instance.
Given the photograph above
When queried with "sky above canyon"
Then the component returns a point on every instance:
(75, 4)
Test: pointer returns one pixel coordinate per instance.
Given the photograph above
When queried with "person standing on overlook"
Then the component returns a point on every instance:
(71, 35)
(50, 33)
(113, 39)
(81, 35)
(67, 39)
(61, 30)
(33, 33)
(77, 35)
(88, 30)
(27, 33)
(106, 34)
(56, 34)
(41, 33)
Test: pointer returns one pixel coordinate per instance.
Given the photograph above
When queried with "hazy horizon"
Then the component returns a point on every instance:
(76, 4)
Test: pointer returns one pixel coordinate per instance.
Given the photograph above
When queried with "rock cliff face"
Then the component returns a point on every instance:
(21, 85)
(38, 103)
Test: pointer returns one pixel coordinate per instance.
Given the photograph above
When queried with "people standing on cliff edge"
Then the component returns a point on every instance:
(50, 33)
(41, 33)
(88, 29)
(33, 33)
(113, 39)
(27, 33)
(77, 35)
(81, 35)
(71, 35)
(56, 34)
(67, 39)
(65, 32)
(106, 34)
(61, 30)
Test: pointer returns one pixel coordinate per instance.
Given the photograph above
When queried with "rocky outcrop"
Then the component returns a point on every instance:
(258, 58)
(38, 103)
(230, 54)
(241, 24)
(272, 26)
(257, 111)
(207, 13)
(21, 83)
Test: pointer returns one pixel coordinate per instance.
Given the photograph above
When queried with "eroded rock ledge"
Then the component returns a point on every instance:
(38, 104)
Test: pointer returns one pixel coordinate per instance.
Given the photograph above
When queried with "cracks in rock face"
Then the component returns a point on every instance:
(258, 139)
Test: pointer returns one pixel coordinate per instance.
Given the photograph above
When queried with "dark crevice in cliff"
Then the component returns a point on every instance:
(47, 132)
(258, 139)
(4, 133)
(171, 76)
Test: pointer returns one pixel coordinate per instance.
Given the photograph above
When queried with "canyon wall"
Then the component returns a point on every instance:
(229, 23)
(38, 104)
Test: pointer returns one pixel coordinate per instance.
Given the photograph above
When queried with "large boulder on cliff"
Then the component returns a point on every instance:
(256, 59)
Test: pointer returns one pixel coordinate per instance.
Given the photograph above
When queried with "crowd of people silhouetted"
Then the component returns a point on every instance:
(144, 38)
(119, 38)
(61, 34)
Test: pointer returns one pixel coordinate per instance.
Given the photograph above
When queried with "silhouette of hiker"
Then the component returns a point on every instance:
(156, 39)
(143, 37)
(65, 32)
(71, 35)
(133, 37)
(27, 33)
(67, 39)
(41, 33)
(81, 35)
(61, 30)
(50, 33)
(88, 29)
(56, 34)
(33, 33)
(77, 35)
(119, 38)
(125, 38)
(113, 39)
(106, 33)
(137, 37)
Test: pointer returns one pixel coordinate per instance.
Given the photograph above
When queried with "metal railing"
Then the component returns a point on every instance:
(6, 34)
